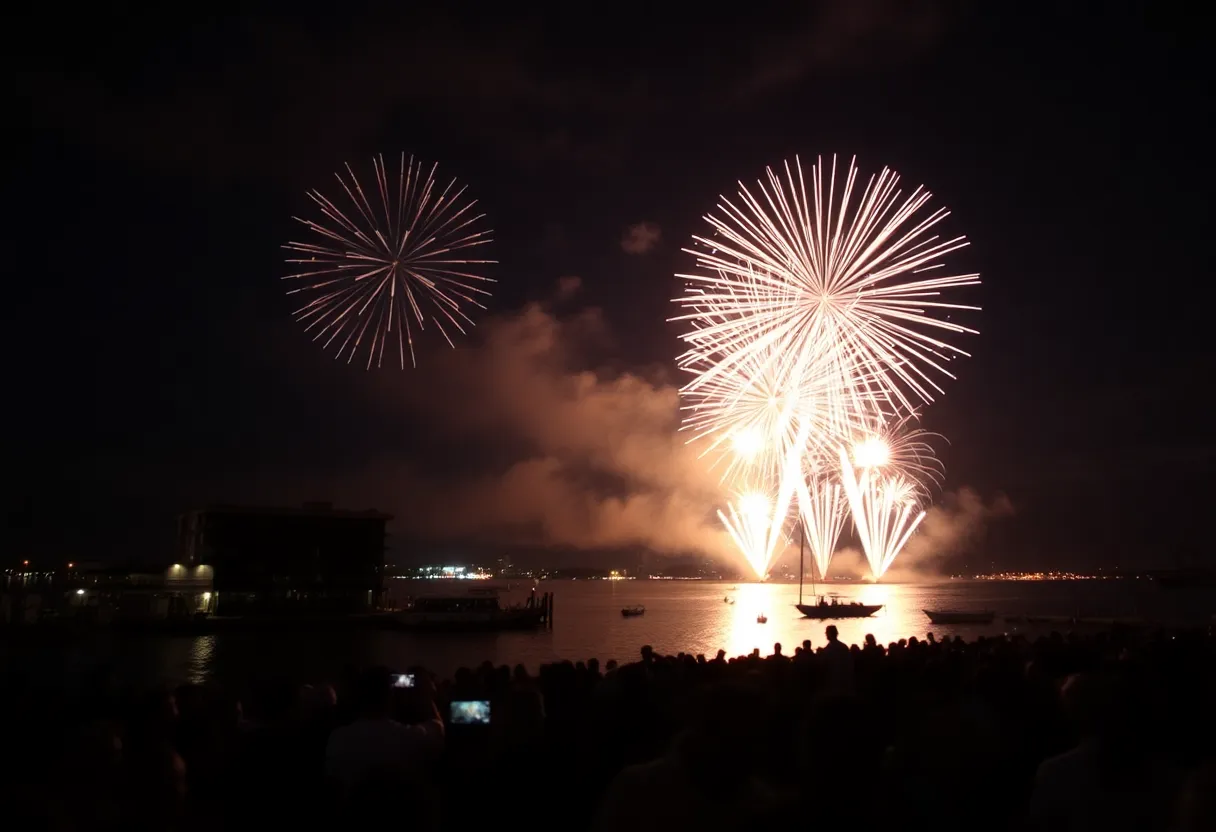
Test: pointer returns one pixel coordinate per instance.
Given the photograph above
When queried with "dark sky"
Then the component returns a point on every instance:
(154, 365)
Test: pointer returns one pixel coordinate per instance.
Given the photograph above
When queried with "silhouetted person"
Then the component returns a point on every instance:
(1107, 781)
(377, 747)
(706, 780)
(837, 753)
(156, 790)
(839, 662)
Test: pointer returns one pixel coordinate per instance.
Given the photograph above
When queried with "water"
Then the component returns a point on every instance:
(688, 616)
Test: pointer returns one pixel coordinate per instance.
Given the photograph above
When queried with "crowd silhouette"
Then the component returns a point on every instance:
(1106, 732)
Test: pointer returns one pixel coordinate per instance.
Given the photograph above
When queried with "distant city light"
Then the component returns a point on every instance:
(459, 573)
(1039, 576)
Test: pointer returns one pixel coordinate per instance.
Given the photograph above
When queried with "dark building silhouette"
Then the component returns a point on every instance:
(288, 560)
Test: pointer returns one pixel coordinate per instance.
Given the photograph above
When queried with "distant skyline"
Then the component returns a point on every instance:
(155, 367)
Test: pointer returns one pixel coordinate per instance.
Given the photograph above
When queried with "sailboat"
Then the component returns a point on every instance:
(823, 610)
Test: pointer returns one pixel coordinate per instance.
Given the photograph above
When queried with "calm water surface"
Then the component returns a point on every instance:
(688, 616)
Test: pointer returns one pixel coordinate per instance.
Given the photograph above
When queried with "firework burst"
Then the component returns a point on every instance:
(815, 328)
(823, 507)
(383, 265)
(748, 520)
(897, 447)
(785, 270)
(750, 418)
(886, 511)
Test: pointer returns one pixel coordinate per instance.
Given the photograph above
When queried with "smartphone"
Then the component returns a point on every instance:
(403, 680)
(471, 712)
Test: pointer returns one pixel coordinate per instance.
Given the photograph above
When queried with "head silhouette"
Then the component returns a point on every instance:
(376, 692)
(832, 633)
(719, 746)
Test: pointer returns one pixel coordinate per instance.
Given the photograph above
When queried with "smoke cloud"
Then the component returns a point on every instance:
(952, 527)
(529, 447)
(641, 238)
(594, 458)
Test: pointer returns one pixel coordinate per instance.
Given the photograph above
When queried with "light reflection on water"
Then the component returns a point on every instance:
(681, 616)
(202, 652)
(738, 632)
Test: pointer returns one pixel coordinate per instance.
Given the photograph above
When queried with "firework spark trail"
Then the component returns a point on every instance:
(823, 508)
(885, 512)
(896, 464)
(748, 520)
(758, 525)
(389, 262)
(750, 418)
(820, 303)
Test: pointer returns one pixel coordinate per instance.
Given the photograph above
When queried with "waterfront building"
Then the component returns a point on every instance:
(310, 559)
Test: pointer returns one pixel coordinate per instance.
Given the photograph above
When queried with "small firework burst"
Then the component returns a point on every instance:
(390, 261)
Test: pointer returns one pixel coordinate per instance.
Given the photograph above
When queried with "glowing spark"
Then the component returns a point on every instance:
(871, 453)
(897, 447)
(748, 443)
(391, 262)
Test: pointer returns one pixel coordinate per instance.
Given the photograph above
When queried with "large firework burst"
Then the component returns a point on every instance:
(815, 329)
(784, 270)
(389, 263)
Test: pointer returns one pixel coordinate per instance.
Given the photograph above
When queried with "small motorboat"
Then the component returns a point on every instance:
(761, 619)
(960, 616)
(728, 600)
(634, 611)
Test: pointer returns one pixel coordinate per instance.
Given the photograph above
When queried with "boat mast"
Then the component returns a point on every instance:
(814, 587)
(801, 557)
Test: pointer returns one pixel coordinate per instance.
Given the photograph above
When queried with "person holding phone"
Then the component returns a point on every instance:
(377, 746)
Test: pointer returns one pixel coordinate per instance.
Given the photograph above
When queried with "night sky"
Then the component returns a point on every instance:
(154, 365)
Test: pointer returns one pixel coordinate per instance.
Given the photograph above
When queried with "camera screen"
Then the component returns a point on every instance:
(471, 712)
(403, 680)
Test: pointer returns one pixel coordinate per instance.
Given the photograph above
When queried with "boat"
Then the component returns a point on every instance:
(728, 600)
(761, 619)
(960, 616)
(634, 611)
(478, 610)
(824, 611)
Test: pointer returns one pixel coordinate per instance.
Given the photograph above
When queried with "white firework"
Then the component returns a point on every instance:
(816, 326)
(390, 263)
(855, 275)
